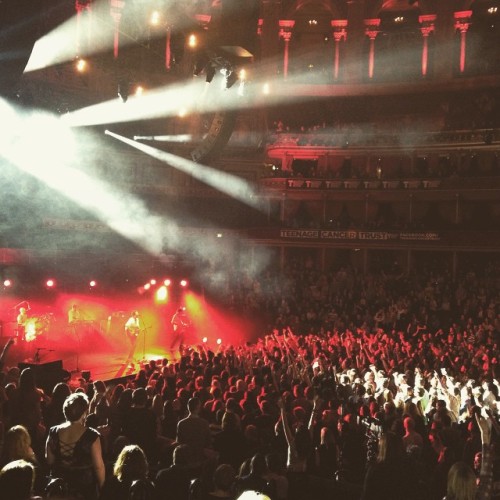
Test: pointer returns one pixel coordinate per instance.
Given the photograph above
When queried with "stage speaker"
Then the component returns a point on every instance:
(220, 131)
(47, 375)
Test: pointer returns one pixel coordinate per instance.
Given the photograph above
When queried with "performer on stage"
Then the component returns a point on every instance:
(180, 324)
(22, 319)
(74, 315)
(132, 329)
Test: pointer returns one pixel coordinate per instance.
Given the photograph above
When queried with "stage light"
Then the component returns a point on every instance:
(204, 340)
(183, 283)
(81, 65)
(7, 283)
(139, 90)
(242, 75)
(152, 281)
(219, 235)
(50, 283)
(161, 294)
(93, 284)
(167, 282)
(154, 20)
(182, 112)
(266, 89)
(147, 286)
(219, 341)
(192, 41)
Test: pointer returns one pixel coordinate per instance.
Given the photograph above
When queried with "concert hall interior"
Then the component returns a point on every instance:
(278, 182)
(141, 141)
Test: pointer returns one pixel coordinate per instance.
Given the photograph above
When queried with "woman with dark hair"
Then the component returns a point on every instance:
(230, 442)
(53, 412)
(388, 477)
(130, 466)
(27, 409)
(16, 481)
(73, 451)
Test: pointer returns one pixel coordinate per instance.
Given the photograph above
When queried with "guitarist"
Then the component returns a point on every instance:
(132, 330)
(180, 324)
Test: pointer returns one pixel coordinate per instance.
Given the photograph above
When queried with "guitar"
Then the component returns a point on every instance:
(132, 331)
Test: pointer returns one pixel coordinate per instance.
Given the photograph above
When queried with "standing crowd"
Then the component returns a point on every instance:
(380, 386)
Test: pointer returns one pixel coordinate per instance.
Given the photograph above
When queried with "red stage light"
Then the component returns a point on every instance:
(219, 341)
(7, 283)
(147, 286)
(93, 283)
(183, 283)
(152, 281)
(50, 283)
(167, 282)
(205, 340)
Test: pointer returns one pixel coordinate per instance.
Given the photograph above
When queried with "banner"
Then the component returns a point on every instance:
(350, 234)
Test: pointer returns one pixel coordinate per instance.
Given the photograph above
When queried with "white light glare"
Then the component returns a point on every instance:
(224, 182)
(154, 20)
(164, 138)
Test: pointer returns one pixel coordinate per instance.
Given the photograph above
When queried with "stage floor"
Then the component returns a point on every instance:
(103, 360)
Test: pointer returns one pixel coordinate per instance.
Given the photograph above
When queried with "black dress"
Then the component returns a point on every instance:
(74, 463)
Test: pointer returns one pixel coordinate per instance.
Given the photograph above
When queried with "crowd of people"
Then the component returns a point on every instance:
(369, 386)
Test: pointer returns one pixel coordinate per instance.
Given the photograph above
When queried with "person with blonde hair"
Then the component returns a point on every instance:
(130, 466)
(17, 446)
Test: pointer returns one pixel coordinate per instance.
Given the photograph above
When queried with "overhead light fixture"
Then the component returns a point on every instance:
(123, 90)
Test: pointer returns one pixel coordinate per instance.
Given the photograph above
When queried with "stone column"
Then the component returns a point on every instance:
(83, 10)
(371, 31)
(116, 8)
(285, 32)
(426, 28)
(462, 23)
(353, 54)
(339, 34)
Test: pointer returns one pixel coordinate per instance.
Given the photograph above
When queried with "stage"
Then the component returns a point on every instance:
(94, 356)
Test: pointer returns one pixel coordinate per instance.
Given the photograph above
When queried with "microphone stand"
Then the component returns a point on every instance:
(36, 357)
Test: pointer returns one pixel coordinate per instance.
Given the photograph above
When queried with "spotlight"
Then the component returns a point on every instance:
(204, 340)
(266, 89)
(183, 283)
(219, 235)
(7, 283)
(242, 75)
(93, 284)
(192, 41)
(139, 90)
(147, 286)
(167, 282)
(50, 283)
(219, 341)
(123, 90)
(152, 281)
(81, 65)
(161, 294)
(154, 20)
